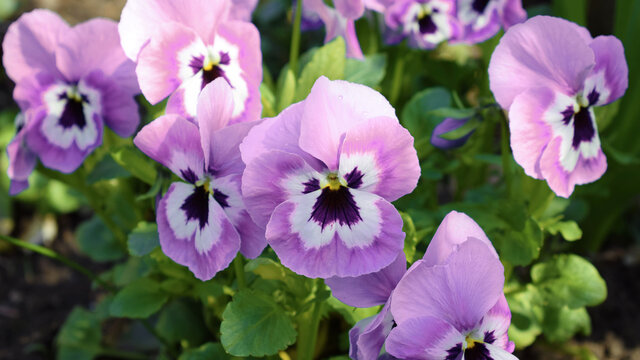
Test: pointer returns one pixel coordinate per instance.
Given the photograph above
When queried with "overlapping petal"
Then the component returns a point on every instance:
(425, 338)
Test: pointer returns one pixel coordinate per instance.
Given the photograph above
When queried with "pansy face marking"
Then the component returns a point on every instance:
(476, 12)
(335, 203)
(429, 20)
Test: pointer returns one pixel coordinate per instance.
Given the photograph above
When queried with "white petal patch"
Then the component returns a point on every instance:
(497, 353)
(182, 161)
(568, 154)
(468, 15)
(186, 56)
(363, 162)
(184, 228)
(360, 234)
(440, 18)
(493, 323)
(55, 103)
(233, 72)
(598, 83)
(230, 187)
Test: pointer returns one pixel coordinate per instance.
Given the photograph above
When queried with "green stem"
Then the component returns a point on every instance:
(398, 72)
(238, 264)
(307, 348)
(54, 255)
(506, 153)
(295, 39)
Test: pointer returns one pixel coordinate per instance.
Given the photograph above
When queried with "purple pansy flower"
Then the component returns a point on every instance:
(482, 19)
(450, 304)
(368, 336)
(320, 177)
(426, 23)
(70, 81)
(202, 221)
(549, 73)
(180, 46)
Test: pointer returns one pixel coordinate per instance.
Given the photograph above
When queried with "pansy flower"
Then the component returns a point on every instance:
(482, 19)
(320, 177)
(338, 22)
(70, 82)
(450, 304)
(368, 336)
(181, 46)
(426, 23)
(549, 74)
(202, 220)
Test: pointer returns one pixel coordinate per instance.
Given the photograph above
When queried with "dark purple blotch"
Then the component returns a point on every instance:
(335, 205)
(220, 198)
(196, 206)
(479, 6)
(354, 178)
(311, 186)
(73, 113)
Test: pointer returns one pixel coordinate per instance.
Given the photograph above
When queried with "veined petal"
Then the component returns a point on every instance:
(495, 353)
(224, 152)
(273, 178)
(119, 107)
(140, 18)
(195, 231)
(542, 52)
(95, 45)
(367, 337)
(370, 289)
(164, 64)
(215, 105)
(382, 152)
(321, 234)
(30, 44)
(226, 191)
(459, 292)
(175, 143)
(278, 133)
(610, 77)
(455, 229)
(331, 109)
(425, 338)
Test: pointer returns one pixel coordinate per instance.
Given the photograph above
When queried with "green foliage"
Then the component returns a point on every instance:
(138, 300)
(106, 169)
(329, 61)
(136, 163)
(79, 338)
(369, 71)
(254, 324)
(181, 322)
(143, 239)
(207, 351)
(97, 241)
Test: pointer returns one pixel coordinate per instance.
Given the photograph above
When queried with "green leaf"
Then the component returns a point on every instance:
(106, 169)
(569, 280)
(79, 337)
(453, 113)
(351, 314)
(253, 324)
(328, 61)
(526, 315)
(369, 71)
(98, 242)
(207, 351)
(182, 322)
(561, 323)
(417, 114)
(286, 89)
(462, 131)
(519, 247)
(138, 300)
(569, 229)
(143, 239)
(411, 239)
(136, 163)
(574, 10)
(268, 100)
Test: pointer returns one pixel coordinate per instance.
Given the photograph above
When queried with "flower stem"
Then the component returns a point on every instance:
(54, 255)
(238, 264)
(307, 344)
(398, 72)
(506, 153)
(295, 38)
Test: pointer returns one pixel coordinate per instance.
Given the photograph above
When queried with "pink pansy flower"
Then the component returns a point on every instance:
(202, 220)
(70, 82)
(320, 178)
(549, 74)
(182, 45)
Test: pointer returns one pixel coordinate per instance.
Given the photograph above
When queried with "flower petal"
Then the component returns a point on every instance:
(382, 151)
(494, 326)
(331, 109)
(205, 245)
(459, 292)
(242, 9)
(30, 44)
(425, 338)
(370, 289)
(351, 9)
(164, 63)
(349, 247)
(175, 143)
(278, 133)
(455, 229)
(497, 353)
(224, 152)
(367, 337)
(140, 18)
(610, 77)
(542, 52)
(271, 179)
(95, 45)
